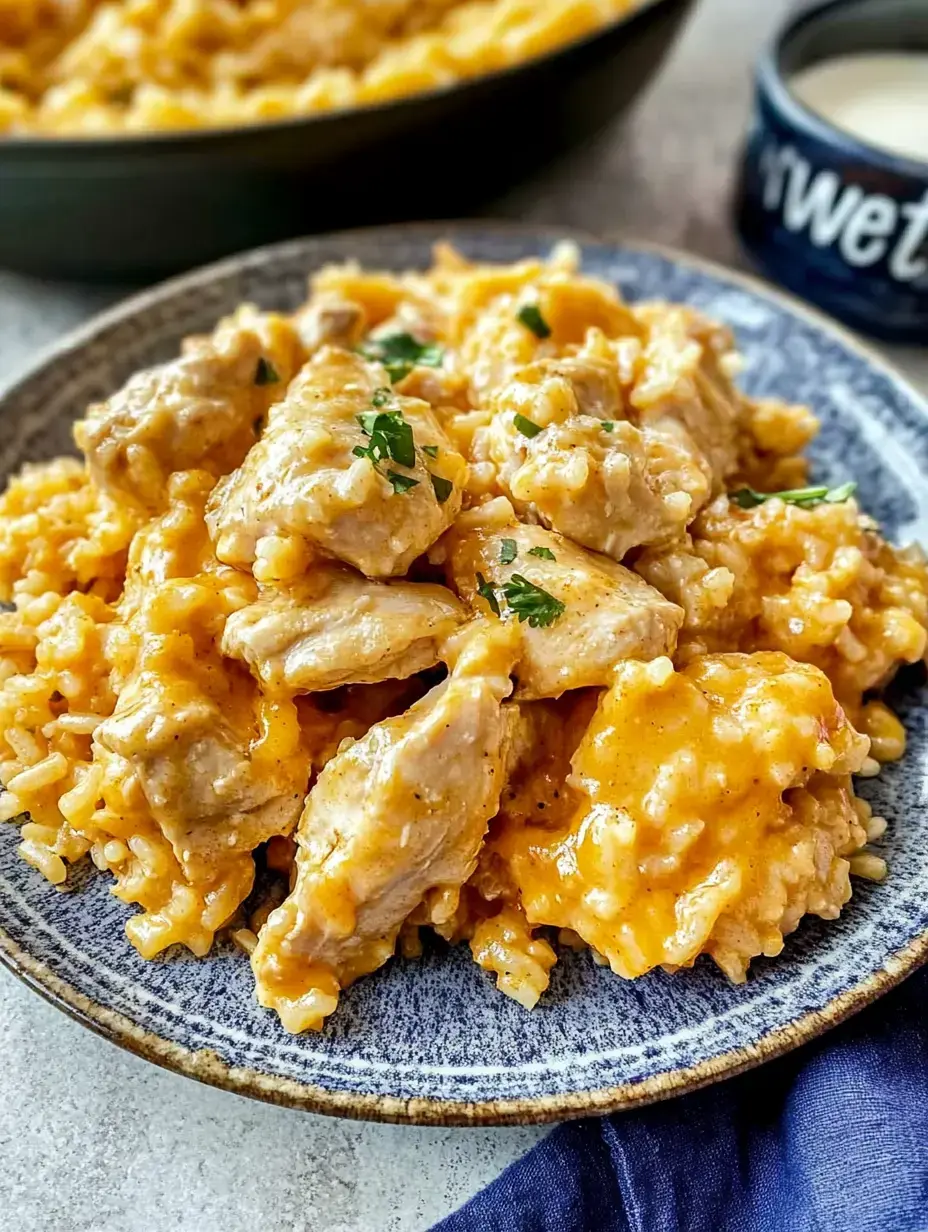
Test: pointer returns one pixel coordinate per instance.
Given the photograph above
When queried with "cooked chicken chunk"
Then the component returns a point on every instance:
(603, 481)
(683, 385)
(337, 627)
(214, 787)
(330, 320)
(221, 768)
(611, 489)
(715, 809)
(590, 613)
(373, 485)
(198, 411)
(395, 820)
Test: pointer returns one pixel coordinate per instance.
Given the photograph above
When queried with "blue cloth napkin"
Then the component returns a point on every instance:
(833, 1138)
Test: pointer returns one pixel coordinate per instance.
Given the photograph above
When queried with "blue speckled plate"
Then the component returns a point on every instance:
(432, 1040)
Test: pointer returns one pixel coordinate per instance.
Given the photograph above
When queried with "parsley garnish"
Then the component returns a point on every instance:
(607, 425)
(507, 551)
(442, 487)
(531, 603)
(431, 450)
(542, 553)
(265, 372)
(390, 437)
(487, 592)
(381, 396)
(805, 498)
(530, 316)
(401, 483)
(525, 426)
(400, 353)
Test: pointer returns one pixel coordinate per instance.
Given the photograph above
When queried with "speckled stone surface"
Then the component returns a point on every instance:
(93, 1140)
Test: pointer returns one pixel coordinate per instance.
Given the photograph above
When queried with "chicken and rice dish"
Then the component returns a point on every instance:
(98, 67)
(475, 601)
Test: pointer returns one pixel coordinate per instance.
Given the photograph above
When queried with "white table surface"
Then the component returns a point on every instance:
(95, 1140)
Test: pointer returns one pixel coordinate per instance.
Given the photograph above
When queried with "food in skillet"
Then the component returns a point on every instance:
(98, 67)
(473, 600)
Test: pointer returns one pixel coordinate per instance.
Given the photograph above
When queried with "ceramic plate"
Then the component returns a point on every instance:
(432, 1040)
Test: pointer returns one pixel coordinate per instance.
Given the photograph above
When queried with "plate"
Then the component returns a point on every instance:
(432, 1041)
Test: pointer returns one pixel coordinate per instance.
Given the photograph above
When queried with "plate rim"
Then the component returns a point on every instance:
(206, 1066)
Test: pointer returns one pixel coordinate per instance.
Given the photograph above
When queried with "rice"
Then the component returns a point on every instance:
(793, 616)
(88, 67)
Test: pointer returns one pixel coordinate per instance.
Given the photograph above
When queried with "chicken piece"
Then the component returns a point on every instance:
(394, 820)
(197, 765)
(330, 320)
(562, 455)
(198, 411)
(715, 809)
(683, 385)
(216, 787)
(337, 627)
(309, 486)
(581, 613)
(611, 489)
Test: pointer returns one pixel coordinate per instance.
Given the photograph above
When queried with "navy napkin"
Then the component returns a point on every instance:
(833, 1138)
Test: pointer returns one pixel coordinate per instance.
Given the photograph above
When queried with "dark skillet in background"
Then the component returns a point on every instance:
(143, 206)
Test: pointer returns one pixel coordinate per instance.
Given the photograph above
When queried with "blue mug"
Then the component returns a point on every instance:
(837, 221)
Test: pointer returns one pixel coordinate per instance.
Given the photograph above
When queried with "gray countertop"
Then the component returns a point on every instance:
(94, 1140)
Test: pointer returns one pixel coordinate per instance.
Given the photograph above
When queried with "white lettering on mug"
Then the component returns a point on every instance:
(866, 227)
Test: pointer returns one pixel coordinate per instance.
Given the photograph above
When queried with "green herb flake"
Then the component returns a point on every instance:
(530, 316)
(442, 487)
(381, 396)
(400, 353)
(390, 437)
(542, 553)
(525, 426)
(805, 498)
(265, 372)
(607, 425)
(508, 551)
(529, 602)
(401, 483)
(486, 591)
(431, 450)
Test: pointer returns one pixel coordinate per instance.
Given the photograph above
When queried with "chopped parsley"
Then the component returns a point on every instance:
(442, 487)
(265, 372)
(805, 498)
(390, 437)
(542, 553)
(486, 591)
(381, 396)
(529, 602)
(508, 551)
(431, 450)
(400, 353)
(401, 483)
(530, 316)
(525, 426)
(607, 425)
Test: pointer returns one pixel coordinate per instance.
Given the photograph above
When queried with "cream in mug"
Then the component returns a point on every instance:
(880, 98)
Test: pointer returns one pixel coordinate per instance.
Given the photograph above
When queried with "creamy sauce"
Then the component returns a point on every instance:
(880, 98)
